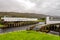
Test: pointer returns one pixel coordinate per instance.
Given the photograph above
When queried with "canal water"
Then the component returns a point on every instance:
(18, 28)
(22, 28)
(41, 23)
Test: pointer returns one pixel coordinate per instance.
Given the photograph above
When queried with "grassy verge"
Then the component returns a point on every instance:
(28, 35)
(41, 20)
(1, 25)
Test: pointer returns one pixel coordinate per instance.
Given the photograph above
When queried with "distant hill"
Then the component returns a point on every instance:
(15, 14)
(30, 15)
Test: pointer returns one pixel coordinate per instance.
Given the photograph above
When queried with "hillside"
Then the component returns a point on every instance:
(15, 14)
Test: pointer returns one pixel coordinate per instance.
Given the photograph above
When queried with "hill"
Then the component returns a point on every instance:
(16, 14)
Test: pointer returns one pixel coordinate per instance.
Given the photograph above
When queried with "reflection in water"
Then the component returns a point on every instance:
(41, 23)
(17, 28)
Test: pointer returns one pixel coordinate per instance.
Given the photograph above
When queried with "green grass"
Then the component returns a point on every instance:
(28, 35)
(41, 20)
(1, 25)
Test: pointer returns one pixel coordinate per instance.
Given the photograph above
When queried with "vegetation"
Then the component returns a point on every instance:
(28, 35)
(27, 15)
(1, 25)
(41, 20)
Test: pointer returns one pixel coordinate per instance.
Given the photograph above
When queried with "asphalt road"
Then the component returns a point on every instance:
(53, 32)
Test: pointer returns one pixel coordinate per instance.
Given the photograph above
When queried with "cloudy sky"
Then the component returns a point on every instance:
(48, 7)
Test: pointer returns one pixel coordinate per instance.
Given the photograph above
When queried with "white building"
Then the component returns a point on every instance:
(18, 19)
(48, 21)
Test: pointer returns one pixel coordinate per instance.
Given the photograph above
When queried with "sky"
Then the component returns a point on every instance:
(47, 7)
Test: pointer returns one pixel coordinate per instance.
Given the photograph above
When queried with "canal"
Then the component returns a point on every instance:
(18, 28)
(24, 28)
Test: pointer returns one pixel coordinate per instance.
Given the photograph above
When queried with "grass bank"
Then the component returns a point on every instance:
(41, 20)
(28, 35)
(1, 25)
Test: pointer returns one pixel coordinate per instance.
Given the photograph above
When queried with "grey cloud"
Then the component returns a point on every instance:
(48, 7)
